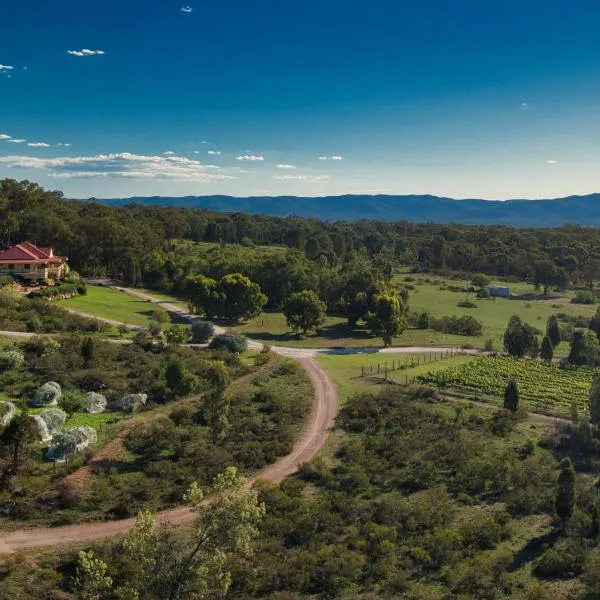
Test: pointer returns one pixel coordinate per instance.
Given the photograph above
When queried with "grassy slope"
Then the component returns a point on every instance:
(110, 304)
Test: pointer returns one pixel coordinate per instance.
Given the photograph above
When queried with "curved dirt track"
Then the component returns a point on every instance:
(321, 419)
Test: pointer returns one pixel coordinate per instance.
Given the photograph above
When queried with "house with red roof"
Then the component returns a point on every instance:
(33, 263)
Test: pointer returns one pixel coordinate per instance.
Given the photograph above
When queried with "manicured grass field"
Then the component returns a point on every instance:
(346, 370)
(543, 387)
(107, 303)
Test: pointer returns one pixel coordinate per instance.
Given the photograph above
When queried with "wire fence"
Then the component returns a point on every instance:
(384, 369)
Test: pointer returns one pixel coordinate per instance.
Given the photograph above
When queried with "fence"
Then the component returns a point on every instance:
(384, 369)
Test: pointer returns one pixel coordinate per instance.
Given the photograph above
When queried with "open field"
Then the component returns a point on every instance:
(271, 328)
(346, 369)
(493, 313)
(107, 303)
(543, 387)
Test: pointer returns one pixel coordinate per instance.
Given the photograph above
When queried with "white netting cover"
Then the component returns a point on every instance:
(95, 403)
(71, 441)
(48, 395)
(7, 413)
(132, 402)
(54, 418)
(43, 433)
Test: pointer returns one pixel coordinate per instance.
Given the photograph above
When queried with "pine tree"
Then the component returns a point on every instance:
(511, 396)
(553, 331)
(594, 401)
(565, 491)
(88, 351)
(547, 349)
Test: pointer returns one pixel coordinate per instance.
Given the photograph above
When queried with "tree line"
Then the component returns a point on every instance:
(131, 243)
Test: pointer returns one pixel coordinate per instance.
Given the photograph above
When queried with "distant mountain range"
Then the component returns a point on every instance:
(583, 210)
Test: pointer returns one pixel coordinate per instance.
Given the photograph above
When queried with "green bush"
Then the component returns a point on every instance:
(202, 332)
(466, 304)
(584, 297)
(465, 325)
(230, 342)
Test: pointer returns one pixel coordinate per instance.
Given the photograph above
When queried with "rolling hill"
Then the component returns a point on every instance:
(582, 210)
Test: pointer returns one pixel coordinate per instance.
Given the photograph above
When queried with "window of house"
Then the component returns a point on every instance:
(11, 267)
(27, 267)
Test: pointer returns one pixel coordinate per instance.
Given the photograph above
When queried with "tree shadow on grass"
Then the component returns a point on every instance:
(333, 333)
(533, 549)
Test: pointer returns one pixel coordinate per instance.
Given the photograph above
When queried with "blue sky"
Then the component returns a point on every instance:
(463, 99)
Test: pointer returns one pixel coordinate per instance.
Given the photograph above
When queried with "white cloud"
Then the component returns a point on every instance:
(5, 136)
(186, 9)
(86, 52)
(214, 152)
(38, 145)
(169, 153)
(299, 177)
(120, 166)
(6, 68)
(332, 157)
(283, 166)
(16, 141)
(551, 162)
(250, 157)
(64, 145)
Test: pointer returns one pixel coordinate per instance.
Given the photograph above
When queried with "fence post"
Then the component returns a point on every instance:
(362, 370)
(378, 368)
(386, 372)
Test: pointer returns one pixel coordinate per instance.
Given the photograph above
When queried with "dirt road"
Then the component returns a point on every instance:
(321, 419)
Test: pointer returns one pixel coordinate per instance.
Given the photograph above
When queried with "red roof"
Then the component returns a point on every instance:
(29, 253)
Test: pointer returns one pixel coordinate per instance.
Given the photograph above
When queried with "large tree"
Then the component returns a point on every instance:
(387, 317)
(547, 350)
(15, 445)
(216, 403)
(565, 491)
(519, 338)
(511, 396)
(304, 311)
(553, 330)
(594, 401)
(241, 298)
(189, 564)
(585, 349)
(202, 294)
(547, 274)
(595, 323)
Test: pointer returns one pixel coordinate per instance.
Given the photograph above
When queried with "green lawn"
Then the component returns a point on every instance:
(347, 370)
(107, 303)
(164, 297)
(493, 313)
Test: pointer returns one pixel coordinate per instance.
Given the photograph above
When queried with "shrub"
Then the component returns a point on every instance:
(584, 297)
(230, 342)
(202, 331)
(466, 304)
(465, 325)
(423, 320)
(59, 291)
